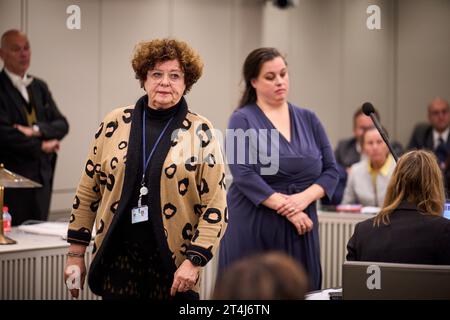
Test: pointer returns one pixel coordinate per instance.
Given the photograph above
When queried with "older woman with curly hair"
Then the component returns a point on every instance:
(152, 187)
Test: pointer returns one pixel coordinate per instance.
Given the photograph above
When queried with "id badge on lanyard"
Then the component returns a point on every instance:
(140, 213)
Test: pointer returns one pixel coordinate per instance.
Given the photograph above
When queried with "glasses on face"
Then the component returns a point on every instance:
(158, 75)
(438, 112)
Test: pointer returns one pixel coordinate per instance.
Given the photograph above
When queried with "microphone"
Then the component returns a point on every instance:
(369, 111)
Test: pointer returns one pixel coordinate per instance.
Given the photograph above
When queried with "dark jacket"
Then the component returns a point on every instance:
(411, 237)
(422, 138)
(23, 155)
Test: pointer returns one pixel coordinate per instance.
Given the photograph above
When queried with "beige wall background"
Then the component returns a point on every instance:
(335, 62)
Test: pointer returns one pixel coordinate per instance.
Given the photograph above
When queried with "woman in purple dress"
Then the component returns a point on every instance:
(281, 162)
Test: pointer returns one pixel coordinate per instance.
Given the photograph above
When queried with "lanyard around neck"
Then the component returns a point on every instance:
(145, 161)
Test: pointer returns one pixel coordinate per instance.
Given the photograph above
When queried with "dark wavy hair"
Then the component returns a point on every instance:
(251, 69)
(148, 53)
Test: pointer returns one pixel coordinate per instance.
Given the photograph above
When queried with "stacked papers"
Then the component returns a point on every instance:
(58, 229)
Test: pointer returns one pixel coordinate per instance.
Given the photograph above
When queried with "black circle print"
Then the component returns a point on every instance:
(94, 205)
(210, 160)
(128, 113)
(187, 232)
(99, 131)
(191, 164)
(76, 203)
(198, 209)
(102, 225)
(111, 128)
(90, 168)
(110, 182)
(186, 124)
(170, 170)
(183, 186)
(114, 206)
(114, 162)
(122, 145)
(212, 215)
(169, 210)
(204, 134)
(203, 187)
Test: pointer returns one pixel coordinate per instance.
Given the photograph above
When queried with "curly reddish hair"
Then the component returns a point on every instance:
(148, 53)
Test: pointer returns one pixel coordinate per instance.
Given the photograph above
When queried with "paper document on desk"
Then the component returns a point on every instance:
(58, 229)
(46, 228)
(322, 294)
(370, 210)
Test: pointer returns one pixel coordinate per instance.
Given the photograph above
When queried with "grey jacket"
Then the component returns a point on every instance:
(359, 188)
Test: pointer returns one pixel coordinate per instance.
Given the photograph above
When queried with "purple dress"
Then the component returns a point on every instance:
(307, 159)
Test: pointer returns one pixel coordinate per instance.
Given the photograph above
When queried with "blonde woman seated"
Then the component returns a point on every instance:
(368, 179)
(410, 227)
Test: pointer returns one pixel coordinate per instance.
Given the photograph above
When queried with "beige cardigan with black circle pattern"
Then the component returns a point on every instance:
(192, 187)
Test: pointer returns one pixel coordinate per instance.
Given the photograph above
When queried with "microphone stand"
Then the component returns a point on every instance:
(383, 134)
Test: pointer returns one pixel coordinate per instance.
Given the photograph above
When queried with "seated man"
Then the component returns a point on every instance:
(434, 135)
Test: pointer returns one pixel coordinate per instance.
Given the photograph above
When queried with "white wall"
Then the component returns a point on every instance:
(335, 62)
(422, 61)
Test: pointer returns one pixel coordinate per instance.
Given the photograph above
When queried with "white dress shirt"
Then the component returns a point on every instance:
(20, 83)
(437, 135)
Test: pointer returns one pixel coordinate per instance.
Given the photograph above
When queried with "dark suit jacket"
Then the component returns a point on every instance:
(411, 237)
(346, 153)
(22, 154)
(422, 138)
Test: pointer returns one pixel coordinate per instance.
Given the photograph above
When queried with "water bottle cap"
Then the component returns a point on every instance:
(5, 209)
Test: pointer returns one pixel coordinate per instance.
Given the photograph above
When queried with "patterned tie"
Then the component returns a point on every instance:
(441, 151)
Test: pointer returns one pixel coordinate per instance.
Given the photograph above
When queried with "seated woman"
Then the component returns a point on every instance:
(410, 227)
(368, 178)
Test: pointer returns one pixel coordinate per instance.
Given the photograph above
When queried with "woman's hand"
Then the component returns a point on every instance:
(294, 204)
(301, 221)
(275, 201)
(185, 277)
(75, 270)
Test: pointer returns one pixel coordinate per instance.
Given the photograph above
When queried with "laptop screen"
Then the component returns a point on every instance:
(447, 209)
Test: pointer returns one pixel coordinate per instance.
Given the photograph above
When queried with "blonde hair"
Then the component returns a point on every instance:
(418, 180)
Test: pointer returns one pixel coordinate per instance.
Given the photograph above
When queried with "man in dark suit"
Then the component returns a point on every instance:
(435, 135)
(31, 127)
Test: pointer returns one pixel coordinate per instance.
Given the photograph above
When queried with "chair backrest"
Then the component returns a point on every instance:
(379, 280)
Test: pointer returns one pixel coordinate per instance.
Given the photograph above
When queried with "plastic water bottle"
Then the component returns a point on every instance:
(6, 220)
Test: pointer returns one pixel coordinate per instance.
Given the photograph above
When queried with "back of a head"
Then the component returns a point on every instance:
(271, 276)
(417, 179)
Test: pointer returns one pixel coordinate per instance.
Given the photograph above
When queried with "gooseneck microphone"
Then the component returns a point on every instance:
(369, 110)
